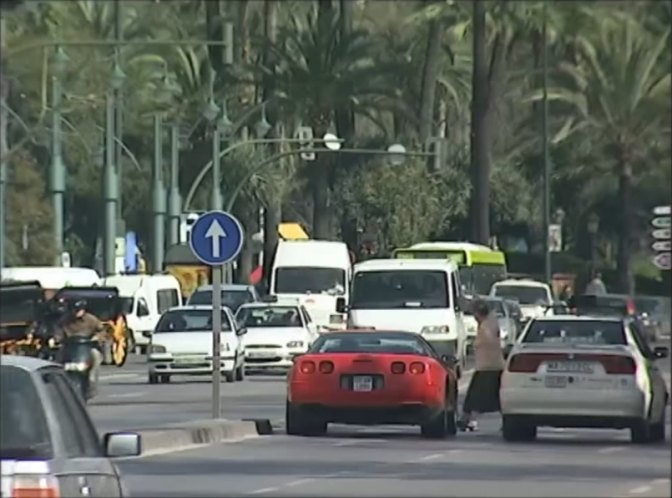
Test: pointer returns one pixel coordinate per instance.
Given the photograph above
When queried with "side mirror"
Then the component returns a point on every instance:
(661, 352)
(341, 306)
(240, 332)
(506, 351)
(122, 444)
(147, 334)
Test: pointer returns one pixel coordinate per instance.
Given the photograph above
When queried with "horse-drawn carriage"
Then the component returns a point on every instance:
(22, 304)
(106, 305)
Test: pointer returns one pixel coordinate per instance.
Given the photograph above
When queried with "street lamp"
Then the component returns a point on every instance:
(118, 77)
(158, 197)
(211, 113)
(57, 168)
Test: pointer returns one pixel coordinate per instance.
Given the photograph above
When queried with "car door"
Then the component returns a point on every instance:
(658, 386)
(83, 470)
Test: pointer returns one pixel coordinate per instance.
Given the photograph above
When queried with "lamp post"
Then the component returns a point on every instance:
(158, 196)
(4, 91)
(118, 78)
(174, 200)
(57, 168)
(547, 161)
(211, 113)
(593, 226)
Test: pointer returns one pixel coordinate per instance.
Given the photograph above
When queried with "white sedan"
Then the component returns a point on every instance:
(182, 345)
(582, 371)
(275, 333)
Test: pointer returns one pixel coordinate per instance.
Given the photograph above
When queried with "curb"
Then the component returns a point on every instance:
(201, 432)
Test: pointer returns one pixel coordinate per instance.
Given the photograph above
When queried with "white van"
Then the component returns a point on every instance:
(421, 296)
(316, 272)
(145, 297)
(52, 278)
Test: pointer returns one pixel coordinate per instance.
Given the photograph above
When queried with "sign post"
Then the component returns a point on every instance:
(661, 234)
(216, 239)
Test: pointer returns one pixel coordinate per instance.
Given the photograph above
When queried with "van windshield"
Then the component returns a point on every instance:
(395, 289)
(306, 279)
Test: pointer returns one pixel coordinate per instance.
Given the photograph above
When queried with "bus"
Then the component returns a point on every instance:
(479, 265)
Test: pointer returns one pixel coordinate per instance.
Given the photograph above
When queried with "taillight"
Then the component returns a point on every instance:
(416, 368)
(326, 367)
(619, 365)
(398, 367)
(526, 363)
(307, 367)
(34, 486)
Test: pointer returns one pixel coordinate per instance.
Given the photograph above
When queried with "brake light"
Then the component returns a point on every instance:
(307, 367)
(630, 307)
(398, 367)
(416, 368)
(529, 362)
(34, 486)
(618, 365)
(326, 367)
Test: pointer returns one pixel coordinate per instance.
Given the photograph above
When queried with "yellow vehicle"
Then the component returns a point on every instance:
(22, 304)
(480, 266)
(106, 305)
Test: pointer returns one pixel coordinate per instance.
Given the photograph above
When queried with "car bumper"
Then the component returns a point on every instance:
(404, 413)
(336, 398)
(270, 359)
(575, 403)
(197, 368)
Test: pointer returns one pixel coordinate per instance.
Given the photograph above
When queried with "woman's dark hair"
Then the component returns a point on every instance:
(480, 308)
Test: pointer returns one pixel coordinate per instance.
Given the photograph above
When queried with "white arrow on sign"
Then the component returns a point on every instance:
(662, 233)
(662, 261)
(662, 210)
(662, 246)
(215, 233)
(661, 222)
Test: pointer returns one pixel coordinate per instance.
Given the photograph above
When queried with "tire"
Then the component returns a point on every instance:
(297, 425)
(153, 379)
(130, 341)
(657, 431)
(107, 353)
(230, 377)
(240, 373)
(516, 430)
(437, 427)
(164, 379)
(451, 414)
(640, 432)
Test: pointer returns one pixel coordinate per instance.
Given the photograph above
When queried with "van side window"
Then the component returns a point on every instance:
(166, 299)
(143, 309)
(454, 288)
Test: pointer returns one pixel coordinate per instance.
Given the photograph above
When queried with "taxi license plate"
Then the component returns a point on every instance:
(188, 359)
(570, 367)
(263, 354)
(362, 383)
(556, 381)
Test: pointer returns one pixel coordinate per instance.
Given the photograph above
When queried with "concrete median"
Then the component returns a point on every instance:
(177, 436)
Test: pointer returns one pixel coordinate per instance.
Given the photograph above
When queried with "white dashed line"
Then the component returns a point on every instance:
(610, 449)
(262, 491)
(430, 457)
(640, 490)
(354, 442)
(125, 395)
(120, 376)
(298, 482)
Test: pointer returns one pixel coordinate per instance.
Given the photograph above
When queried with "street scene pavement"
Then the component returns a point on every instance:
(362, 461)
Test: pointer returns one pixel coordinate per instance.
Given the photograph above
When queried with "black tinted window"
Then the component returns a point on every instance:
(483, 276)
(166, 299)
(24, 432)
(576, 332)
(393, 289)
(308, 279)
(524, 294)
(190, 321)
(370, 343)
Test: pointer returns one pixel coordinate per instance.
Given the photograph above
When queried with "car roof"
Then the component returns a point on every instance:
(408, 264)
(521, 282)
(364, 331)
(264, 304)
(226, 287)
(578, 318)
(24, 362)
(194, 307)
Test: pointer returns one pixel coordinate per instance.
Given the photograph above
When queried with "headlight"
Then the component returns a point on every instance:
(434, 329)
(336, 319)
(157, 348)
(295, 344)
(76, 367)
(224, 346)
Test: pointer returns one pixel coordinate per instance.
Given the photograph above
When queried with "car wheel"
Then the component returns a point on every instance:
(297, 425)
(165, 379)
(240, 372)
(451, 415)
(657, 431)
(230, 376)
(640, 432)
(516, 430)
(130, 340)
(437, 427)
(153, 379)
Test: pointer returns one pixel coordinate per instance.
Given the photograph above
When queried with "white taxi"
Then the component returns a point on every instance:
(586, 372)
(182, 345)
(535, 298)
(275, 333)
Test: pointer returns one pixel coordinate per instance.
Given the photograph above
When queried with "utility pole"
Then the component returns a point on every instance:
(174, 200)
(57, 168)
(118, 110)
(158, 197)
(4, 148)
(547, 160)
(110, 190)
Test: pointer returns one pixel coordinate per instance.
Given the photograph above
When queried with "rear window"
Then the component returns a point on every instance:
(190, 321)
(575, 332)
(395, 289)
(24, 433)
(230, 299)
(370, 343)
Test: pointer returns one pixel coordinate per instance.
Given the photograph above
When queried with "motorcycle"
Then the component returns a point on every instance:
(76, 356)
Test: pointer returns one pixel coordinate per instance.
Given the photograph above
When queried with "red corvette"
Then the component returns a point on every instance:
(371, 378)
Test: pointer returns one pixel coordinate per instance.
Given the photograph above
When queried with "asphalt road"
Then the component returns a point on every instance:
(360, 461)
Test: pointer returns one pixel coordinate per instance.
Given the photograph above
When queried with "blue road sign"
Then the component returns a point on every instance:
(216, 238)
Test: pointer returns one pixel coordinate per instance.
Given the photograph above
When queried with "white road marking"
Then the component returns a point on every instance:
(640, 490)
(663, 480)
(456, 452)
(262, 491)
(430, 457)
(120, 376)
(125, 395)
(610, 449)
(298, 482)
(187, 447)
(354, 442)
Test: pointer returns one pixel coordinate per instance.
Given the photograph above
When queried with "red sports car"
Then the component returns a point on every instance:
(371, 378)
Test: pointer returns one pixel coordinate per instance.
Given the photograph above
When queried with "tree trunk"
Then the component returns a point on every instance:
(480, 139)
(345, 118)
(625, 277)
(214, 32)
(429, 75)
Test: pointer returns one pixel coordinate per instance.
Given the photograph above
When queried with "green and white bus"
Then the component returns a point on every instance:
(480, 266)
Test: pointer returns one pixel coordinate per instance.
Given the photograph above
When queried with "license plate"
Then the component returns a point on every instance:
(570, 367)
(556, 381)
(188, 359)
(263, 354)
(362, 383)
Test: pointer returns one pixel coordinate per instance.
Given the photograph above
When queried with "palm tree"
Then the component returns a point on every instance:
(621, 92)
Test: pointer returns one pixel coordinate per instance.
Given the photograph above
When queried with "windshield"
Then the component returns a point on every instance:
(232, 299)
(479, 278)
(24, 433)
(524, 294)
(396, 289)
(575, 332)
(370, 342)
(269, 316)
(190, 321)
(304, 279)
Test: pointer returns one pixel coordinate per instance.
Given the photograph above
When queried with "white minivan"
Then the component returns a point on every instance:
(146, 298)
(316, 272)
(421, 296)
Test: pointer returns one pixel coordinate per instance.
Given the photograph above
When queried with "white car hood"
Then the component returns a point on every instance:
(407, 319)
(192, 342)
(280, 336)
